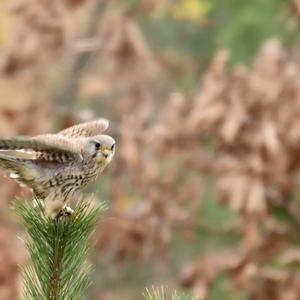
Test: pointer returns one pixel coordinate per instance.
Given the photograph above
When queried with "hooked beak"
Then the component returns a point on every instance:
(105, 152)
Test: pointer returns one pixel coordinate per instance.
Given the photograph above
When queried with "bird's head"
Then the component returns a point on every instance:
(103, 148)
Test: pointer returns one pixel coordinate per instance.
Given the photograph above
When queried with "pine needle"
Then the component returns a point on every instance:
(58, 250)
(163, 293)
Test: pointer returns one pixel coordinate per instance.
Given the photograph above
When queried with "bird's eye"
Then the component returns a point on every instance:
(97, 145)
(113, 147)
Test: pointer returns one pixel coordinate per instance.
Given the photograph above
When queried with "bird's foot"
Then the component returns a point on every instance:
(66, 211)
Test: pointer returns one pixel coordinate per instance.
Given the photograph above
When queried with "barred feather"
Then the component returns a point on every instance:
(87, 129)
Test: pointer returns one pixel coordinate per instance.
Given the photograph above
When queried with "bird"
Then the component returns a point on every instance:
(55, 166)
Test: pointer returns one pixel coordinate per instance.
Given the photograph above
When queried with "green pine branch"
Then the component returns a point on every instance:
(163, 293)
(58, 250)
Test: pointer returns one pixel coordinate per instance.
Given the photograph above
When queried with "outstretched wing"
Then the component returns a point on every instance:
(87, 129)
(48, 146)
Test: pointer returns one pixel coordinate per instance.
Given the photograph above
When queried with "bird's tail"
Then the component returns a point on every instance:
(18, 167)
(9, 162)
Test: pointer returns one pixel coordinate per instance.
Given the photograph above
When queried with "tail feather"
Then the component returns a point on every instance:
(10, 162)
(20, 169)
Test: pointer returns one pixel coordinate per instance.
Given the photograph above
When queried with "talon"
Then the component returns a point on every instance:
(69, 210)
(66, 211)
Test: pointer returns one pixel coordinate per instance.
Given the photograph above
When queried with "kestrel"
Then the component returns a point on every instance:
(54, 166)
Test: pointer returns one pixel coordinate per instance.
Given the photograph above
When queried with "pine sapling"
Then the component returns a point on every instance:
(58, 250)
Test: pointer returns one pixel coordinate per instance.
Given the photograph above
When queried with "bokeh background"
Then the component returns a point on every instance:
(203, 97)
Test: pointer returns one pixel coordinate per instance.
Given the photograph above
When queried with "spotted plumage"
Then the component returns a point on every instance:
(55, 166)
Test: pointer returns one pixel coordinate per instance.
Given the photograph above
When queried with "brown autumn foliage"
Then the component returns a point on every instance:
(250, 116)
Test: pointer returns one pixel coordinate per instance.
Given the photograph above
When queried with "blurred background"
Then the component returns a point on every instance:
(203, 97)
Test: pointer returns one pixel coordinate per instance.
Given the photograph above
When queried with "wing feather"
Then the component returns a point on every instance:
(57, 147)
(87, 129)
